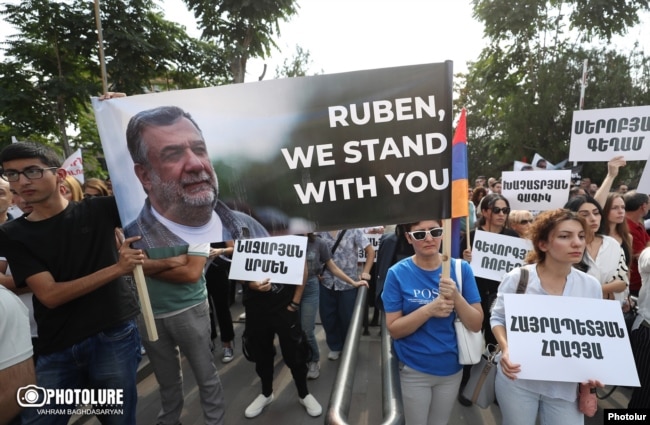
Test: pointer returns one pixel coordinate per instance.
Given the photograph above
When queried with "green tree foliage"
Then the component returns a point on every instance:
(144, 50)
(522, 90)
(242, 28)
(296, 66)
(51, 64)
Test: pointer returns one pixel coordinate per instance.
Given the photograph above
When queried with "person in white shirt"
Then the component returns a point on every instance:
(559, 240)
(16, 364)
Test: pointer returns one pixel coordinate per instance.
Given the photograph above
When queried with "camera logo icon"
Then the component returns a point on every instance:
(31, 396)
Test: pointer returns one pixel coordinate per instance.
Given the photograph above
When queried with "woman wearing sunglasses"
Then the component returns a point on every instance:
(520, 221)
(421, 307)
(494, 215)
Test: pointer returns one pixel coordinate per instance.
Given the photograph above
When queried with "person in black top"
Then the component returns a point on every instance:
(84, 308)
(393, 247)
(271, 309)
(494, 216)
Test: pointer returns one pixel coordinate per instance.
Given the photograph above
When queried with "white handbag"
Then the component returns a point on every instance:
(470, 344)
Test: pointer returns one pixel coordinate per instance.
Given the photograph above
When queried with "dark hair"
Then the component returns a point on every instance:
(400, 230)
(542, 227)
(29, 150)
(488, 202)
(634, 200)
(156, 117)
(576, 202)
(621, 228)
(478, 194)
(406, 227)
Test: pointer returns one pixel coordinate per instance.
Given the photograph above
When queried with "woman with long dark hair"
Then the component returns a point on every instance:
(604, 258)
(616, 224)
(559, 240)
(495, 210)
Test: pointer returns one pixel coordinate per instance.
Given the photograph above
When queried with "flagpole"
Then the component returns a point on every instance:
(446, 247)
(460, 185)
(100, 38)
(143, 295)
(583, 84)
(138, 272)
(467, 230)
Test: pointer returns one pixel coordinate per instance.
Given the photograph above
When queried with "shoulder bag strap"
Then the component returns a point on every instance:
(459, 280)
(336, 245)
(523, 280)
(338, 240)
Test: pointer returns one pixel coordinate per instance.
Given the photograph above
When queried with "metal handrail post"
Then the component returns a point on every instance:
(391, 389)
(339, 404)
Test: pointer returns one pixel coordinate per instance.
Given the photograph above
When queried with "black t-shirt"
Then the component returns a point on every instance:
(74, 243)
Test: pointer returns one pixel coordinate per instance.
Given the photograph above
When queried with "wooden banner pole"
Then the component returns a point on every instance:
(446, 247)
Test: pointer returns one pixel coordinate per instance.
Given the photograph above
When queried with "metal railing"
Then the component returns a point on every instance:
(339, 404)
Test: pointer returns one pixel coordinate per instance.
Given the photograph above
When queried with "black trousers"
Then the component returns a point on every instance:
(218, 285)
(260, 331)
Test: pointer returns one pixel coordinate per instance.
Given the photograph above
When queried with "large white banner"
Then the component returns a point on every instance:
(494, 255)
(601, 134)
(280, 258)
(536, 191)
(569, 339)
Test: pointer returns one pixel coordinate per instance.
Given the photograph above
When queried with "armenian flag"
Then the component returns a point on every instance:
(459, 182)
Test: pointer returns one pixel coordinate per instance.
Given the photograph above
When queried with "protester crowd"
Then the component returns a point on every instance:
(77, 322)
(66, 254)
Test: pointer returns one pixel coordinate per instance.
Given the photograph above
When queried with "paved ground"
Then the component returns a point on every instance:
(242, 386)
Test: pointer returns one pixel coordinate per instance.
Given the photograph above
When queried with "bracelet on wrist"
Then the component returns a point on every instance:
(295, 305)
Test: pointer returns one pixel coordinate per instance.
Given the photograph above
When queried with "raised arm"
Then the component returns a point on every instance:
(612, 171)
